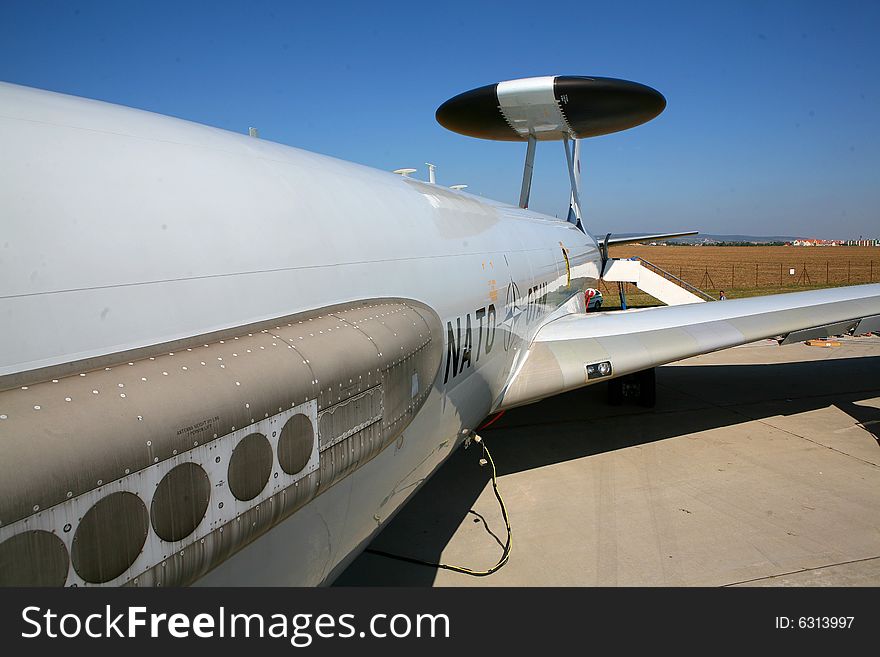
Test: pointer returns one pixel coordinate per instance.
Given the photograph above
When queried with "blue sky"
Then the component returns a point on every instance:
(772, 124)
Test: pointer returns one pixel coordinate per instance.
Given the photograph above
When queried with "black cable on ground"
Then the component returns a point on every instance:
(505, 555)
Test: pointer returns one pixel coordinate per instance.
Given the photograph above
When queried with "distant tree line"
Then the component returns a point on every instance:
(725, 243)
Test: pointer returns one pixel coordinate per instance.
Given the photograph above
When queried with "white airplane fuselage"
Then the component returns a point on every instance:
(124, 229)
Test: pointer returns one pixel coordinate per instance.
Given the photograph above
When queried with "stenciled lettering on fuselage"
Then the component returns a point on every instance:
(536, 302)
(463, 348)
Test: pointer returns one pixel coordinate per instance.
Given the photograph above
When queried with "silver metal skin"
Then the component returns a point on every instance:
(531, 109)
(312, 338)
(528, 170)
(574, 165)
(638, 339)
(135, 238)
(631, 239)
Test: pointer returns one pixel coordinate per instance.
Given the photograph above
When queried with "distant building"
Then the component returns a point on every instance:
(860, 242)
(816, 242)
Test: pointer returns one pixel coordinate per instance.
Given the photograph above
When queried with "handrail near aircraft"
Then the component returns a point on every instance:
(670, 276)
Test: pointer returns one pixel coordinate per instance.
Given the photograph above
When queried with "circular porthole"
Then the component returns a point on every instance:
(250, 466)
(33, 558)
(295, 443)
(110, 537)
(180, 501)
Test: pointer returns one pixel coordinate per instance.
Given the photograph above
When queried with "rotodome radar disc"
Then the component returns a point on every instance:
(551, 108)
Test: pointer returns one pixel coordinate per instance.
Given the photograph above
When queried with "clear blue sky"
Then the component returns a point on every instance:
(772, 124)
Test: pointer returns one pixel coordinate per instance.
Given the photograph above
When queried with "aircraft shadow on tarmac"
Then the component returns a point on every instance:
(690, 399)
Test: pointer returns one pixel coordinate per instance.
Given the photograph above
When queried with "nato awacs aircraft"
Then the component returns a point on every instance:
(228, 361)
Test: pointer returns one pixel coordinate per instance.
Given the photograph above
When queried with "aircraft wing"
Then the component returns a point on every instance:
(567, 353)
(611, 240)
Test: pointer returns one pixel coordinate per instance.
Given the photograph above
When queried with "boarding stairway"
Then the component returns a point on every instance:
(653, 280)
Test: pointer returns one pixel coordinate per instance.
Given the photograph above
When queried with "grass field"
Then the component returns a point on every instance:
(746, 271)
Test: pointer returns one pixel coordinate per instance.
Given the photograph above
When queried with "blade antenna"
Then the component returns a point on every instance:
(527, 172)
(574, 176)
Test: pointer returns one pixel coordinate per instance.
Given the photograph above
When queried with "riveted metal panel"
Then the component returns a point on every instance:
(343, 360)
(347, 455)
(63, 439)
(409, 382)
(395, 330)
(224, 513)
(183, 566)
(350, 416)
(81, 450)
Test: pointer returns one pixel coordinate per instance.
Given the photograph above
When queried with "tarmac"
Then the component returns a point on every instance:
(759, 466)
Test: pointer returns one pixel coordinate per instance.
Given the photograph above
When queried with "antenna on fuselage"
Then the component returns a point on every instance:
(404, 172)
(431, 175)
(553, 108)
(457, 188)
